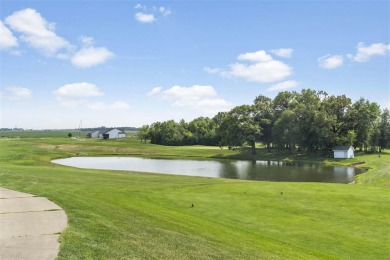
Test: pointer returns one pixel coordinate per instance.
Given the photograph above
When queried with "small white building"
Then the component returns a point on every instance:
(343, 152)
(114, 134)
(96, 134)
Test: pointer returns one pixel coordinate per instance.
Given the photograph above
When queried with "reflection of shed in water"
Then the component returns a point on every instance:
(343, 173)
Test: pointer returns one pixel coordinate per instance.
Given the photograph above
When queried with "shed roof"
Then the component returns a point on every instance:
(342, 148)
(120, 131)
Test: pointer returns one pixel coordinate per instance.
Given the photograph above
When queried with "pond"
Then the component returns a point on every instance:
(232, 169)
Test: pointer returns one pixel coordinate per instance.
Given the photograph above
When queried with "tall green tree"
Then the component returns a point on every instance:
(338, 109)
(363, 116)
(384, 130)
(285, 130)
(239, 127)
(143, 133)
(264, 116)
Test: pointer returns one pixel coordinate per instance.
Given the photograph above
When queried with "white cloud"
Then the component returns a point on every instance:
(258, 56)
(154, 91)
(331, 61)
(7, 39)
(164, 11)
(79, 94)
(263, 72)
(71, 95)
(284, 52)
(144, 17)
(118, 105)
(37, 32)
(91, 56)
(199, 98)
(74, 94)
(261, 68)
(87, 41)
(82, 89)
(140, 6)
(150, 14)
(18, 93)
(283, 85)
(212, 70)
(364, 53)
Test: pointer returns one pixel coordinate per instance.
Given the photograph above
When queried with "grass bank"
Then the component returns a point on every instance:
(117, 214)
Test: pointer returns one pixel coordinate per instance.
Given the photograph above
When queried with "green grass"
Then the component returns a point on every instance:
(127, 215)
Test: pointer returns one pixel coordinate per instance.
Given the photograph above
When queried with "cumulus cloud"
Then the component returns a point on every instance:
(330, 61)
(259, 67)
(144, 17)
(198, 98)
(118, 105)
(283, 85)
(80, 94)
(37, 32)
(283, 52)
(18, 93)
(91, 56)
(154, 91)
(82, 89)
(74, 94)
(149, 14)
(164, 11)
(364, 53)
(7, 39)
(40, 34)
(258, 56)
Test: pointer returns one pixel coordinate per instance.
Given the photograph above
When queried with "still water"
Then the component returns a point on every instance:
(245, 170)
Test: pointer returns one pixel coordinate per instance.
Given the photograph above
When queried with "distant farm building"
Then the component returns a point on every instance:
(110, 134)
(96, 134)
(114, 134)
(343, 152)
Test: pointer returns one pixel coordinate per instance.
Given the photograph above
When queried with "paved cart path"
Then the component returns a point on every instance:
(30, 226)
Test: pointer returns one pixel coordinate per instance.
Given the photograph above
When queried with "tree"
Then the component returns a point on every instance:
(285, 130)
(69, 135)
(338, 109)
(264, 116)
(363, 116)
(203, 131)
(384, 130)
(239, 127)
(143, 133)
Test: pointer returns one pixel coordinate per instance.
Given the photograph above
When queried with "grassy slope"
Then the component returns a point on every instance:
(114, 214)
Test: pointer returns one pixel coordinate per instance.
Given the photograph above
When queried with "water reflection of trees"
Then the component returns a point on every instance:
(280, 171)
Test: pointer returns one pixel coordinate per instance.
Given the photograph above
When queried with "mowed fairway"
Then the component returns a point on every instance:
(127, 215)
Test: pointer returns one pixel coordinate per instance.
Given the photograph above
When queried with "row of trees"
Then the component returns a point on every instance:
(309, 121)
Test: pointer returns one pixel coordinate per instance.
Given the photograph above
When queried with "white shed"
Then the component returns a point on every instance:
(96, 134)
(343, 152)
(114, 134)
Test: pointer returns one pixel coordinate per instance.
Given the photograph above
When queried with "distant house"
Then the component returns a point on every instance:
(96, 134)
(343, 152)
(114, 134)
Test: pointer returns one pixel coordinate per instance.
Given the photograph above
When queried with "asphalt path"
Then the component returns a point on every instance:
(30, 226)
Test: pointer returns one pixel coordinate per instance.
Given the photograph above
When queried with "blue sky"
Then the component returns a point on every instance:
(129, 63)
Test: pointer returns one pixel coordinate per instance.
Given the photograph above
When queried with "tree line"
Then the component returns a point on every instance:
(306, 121)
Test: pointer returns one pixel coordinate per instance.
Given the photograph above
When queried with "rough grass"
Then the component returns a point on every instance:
(127, 215)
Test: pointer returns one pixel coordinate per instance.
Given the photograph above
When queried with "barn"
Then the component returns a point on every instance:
(343, 152)
(95, 134)
(114, 134)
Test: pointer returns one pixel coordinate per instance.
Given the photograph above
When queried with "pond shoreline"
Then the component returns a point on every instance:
(259, 170)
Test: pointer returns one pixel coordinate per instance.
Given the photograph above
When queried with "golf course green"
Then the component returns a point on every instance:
(131, 215)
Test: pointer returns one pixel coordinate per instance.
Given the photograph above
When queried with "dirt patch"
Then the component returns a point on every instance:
(358, 164)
